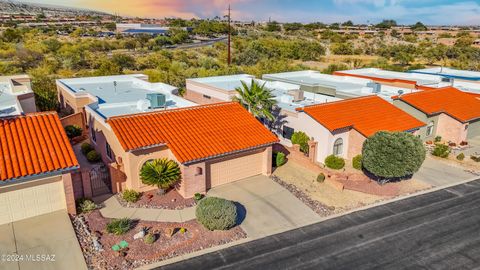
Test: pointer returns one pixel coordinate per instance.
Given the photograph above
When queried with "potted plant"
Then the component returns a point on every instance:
(163, 173)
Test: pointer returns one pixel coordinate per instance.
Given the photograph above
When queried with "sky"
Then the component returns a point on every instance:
(433, 12)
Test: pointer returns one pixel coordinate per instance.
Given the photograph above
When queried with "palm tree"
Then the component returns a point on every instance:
(257, 99)
(163, 173)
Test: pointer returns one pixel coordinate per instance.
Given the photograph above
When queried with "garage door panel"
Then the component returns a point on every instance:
(31, 201)
(231, 170)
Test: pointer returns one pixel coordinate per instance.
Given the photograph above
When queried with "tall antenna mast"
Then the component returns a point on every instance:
(229, 36)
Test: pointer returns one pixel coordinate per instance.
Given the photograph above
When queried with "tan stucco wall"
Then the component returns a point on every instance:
(199, 98)
(195, 91)
(77, 103)
(355, 143)
(450, 129)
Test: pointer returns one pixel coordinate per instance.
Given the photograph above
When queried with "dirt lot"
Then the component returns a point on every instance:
(305, 180)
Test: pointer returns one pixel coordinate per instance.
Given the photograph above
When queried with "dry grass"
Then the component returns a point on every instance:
(304, 179)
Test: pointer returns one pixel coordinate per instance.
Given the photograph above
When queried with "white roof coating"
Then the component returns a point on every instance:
(10, 89)
(344, 86)
(120, 95)
(279, 90)
(450, 72)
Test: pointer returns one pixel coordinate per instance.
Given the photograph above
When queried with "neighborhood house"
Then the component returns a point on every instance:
(16, 95)
(448, 112)
(35, 167)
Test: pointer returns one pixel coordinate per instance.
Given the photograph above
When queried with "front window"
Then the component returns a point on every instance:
(338, 147)
(109, 151)
(430, 128)
(287, 132)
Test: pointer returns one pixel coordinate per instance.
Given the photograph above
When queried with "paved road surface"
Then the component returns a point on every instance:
(439, 230)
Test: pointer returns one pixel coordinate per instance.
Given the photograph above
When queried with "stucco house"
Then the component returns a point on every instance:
(448, 112)
(341, 127)
(131, 121)
(36, 161)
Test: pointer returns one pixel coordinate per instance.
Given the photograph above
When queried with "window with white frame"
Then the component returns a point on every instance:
(108, 150)
(338, 147)
(430, 128)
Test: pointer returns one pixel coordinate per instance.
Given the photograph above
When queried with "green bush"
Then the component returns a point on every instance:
(438, 139)
(93, 156)
(73, 131)
(279, 159)
(461, 156)
(301, 138)
(216, 213)
(357, 162)
(149, 238)
(393, 154)
(162, 173)
(334, 162)
(86, 147)
(119, 226)
(321, 178)
(131, 195)
(441, 150)
(85, 205)
(198, 196)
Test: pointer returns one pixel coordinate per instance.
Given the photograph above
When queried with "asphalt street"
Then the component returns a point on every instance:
(438, 230)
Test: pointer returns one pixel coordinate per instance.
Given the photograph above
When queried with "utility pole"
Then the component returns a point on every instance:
(229, 36)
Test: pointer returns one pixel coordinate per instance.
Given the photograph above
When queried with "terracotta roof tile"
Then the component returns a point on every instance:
(459, 105)
(193, 133)
(33, 144)
(367, 115)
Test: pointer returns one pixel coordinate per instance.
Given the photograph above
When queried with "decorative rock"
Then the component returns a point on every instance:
(139, 235)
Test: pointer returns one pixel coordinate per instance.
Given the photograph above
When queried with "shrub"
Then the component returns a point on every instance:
(280, 159)
(438, 139)
(216, 213)
(441, 150)
(93, 156)
(85, 205)
(73, 131)
(162, 173)
(131, 195)
(475, 158)
(334, 162)
(86, 147)
(461, 156)
(197, 197)
(357, 162)
(321, 178)
(119, 226)
(149, 238)
(301, 138)
(393, 154)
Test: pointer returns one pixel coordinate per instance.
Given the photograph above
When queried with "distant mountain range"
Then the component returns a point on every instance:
(16, 7)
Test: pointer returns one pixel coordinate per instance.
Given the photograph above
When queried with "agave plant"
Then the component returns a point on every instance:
(257, 99)
(163, 173)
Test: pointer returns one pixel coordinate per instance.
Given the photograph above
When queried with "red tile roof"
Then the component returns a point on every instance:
(193, 133)
(367, 115)
(459, 105)
(33, 144)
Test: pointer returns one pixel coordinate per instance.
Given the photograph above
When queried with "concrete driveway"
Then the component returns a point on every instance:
(269, 207)
(50, 235)
(438, 173)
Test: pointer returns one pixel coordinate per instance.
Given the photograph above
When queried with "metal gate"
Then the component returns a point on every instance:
(100, 181)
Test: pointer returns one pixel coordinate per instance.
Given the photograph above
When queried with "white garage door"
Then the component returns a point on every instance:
(235, 169)
(31, 201)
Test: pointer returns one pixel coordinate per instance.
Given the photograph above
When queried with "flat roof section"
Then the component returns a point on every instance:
(450, 73)
(122, 94)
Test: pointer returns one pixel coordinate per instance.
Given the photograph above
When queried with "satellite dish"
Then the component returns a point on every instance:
(143, 105)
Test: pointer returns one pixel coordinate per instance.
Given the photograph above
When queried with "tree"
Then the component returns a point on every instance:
(292, 26)
(163, 173)
(111, 26)
(257, 99)
(386, 24)
(347, 23)
(393, 155)
(45, 91)
(273, 27)
(123, 61)
(419, 27)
